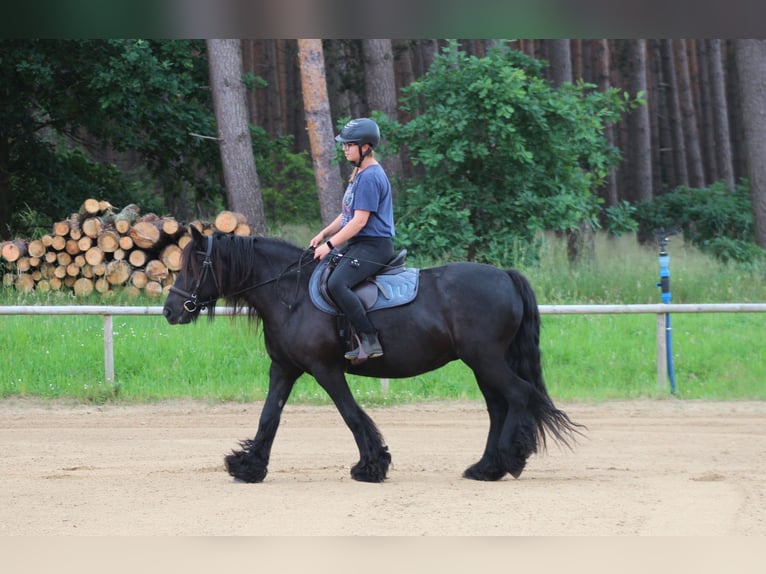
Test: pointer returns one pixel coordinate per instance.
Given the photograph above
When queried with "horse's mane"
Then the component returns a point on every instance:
(242, 262)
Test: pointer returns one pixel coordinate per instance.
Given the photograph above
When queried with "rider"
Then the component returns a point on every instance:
(365, 225)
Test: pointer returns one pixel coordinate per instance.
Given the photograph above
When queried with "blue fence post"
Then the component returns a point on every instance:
(664, 285)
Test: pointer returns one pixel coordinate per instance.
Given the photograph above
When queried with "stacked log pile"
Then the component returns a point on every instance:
(103, 249)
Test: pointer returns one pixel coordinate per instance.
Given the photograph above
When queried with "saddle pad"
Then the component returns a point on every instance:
(393, 289)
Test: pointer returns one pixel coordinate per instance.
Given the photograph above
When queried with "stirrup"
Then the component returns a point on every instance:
(360, 354)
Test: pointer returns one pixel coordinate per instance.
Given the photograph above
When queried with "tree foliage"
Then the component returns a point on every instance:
(65, 101)
(503, 156)
(69, 109)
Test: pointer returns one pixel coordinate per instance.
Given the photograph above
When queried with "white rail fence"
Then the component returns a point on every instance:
(661, 310)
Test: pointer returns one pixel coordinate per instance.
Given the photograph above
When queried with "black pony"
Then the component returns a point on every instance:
(486, 317)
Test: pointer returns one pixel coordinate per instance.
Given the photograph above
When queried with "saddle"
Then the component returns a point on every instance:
(395, 285)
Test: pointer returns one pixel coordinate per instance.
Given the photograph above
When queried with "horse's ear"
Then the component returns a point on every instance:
(195, 233)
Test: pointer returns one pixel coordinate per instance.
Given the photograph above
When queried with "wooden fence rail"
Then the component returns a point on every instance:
(661, 310)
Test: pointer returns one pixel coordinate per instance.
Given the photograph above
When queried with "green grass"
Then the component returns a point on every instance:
(624, 272)
(586, 357)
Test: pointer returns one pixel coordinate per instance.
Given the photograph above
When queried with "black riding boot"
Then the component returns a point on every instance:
(369, 348)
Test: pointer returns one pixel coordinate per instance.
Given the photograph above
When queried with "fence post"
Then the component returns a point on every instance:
(662, 353)
(108, 349)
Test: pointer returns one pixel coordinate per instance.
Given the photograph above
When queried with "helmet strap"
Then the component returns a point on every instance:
(362, 156)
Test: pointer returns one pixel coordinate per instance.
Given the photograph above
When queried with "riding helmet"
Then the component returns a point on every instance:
(361, 131)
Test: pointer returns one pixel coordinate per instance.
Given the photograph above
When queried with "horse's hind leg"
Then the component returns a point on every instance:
(374, 458)
(512, 434)
(489, 466)
(250, 464)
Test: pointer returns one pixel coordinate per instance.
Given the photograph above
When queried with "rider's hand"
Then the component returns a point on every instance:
(319, 238)
(321, 251)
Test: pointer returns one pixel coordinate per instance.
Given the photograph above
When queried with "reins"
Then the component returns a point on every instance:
(297, 279)
(191, 304)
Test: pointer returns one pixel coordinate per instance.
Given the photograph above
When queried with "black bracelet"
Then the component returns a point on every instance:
(330, 245)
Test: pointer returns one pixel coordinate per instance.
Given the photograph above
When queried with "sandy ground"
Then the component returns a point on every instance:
(660, 467)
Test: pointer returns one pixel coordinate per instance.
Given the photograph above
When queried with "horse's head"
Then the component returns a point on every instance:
(196, 287)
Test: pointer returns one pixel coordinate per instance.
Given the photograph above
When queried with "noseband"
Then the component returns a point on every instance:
(191, 304)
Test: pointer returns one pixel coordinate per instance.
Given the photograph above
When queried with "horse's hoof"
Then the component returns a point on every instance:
(484, 472)
(243, 469)
(515, 460)
(365, 475)
(367, 472)
(516, 469)
(367, 478)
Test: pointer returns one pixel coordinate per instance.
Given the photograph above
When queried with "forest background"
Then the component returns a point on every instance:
(488, 142)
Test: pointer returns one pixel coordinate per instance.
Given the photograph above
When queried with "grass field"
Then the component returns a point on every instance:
(585, 357)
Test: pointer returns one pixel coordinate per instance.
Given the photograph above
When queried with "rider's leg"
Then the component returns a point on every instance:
(361, 260)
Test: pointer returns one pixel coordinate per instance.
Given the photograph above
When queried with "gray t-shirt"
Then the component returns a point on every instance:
(370, 191)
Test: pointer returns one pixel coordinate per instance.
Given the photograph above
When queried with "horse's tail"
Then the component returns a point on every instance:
(524, 358)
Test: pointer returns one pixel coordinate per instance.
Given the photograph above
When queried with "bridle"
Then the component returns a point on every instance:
(191, 304)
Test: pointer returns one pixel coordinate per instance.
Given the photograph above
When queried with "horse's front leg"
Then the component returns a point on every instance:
(374, 458)
(250, 463)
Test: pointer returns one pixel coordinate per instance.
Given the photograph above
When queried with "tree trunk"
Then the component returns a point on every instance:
(734, 104)
(707, 129)
(380, 85)
(242, 186)
(268, 102)
(91, 227)
(405, 75)
(751, 64)
(227, 221)
(580, 241)
(640, 181)
(36, 248)
(108, 241)
(171, 256)
(561, 62)
(425, 51)
(578, 49)
(90, 206)
(125, 218)
(319, 127)
(288, 69)
(663, 169)
(117, 272)
(689, 117)
(5, 182)
(337, 78)
(249, 67)
(662, 161)
(344, 81)
(674, 109)
(13, 250)
(146, 234)
(720, 113)
(597, 53)
(83, 287)
(599, 66)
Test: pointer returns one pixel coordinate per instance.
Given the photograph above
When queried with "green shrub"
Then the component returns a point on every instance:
(503, 154)
(716, 221)
(620, 219)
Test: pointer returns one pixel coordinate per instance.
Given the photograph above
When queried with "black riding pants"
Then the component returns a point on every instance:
(363, 257)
